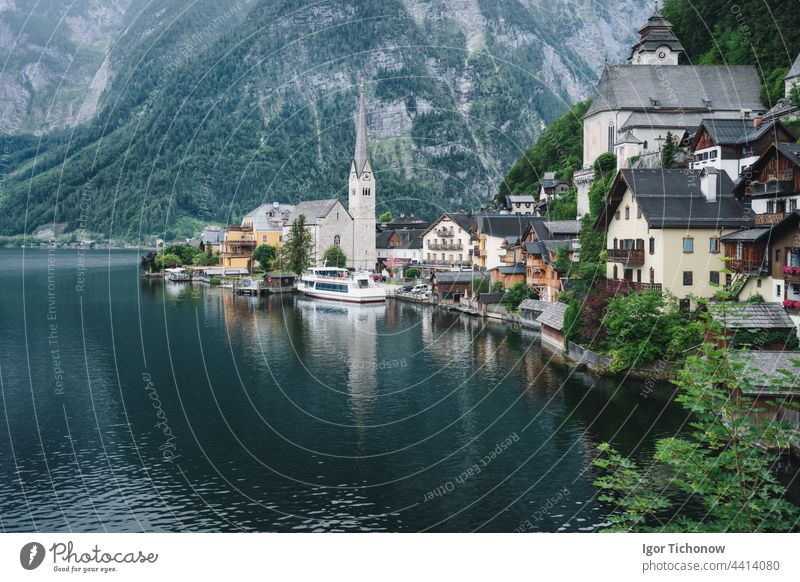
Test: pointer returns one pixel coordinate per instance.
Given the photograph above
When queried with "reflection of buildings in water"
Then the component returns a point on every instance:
(349, 333)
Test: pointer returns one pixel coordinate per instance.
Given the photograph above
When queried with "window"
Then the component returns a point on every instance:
(616, 272)
(688, 245)
(638, 212)
(713, 245)
(778, 255)
(792, 204)
(644, 145)
(611, 139)
(627, 213)
(778, 293)
(687, 278)
(713, 277)
(365, 192)
(616, 215)
(652, 275)
(652, 246)
(638, 275)
(770, 207)
(264, 237)
(758, 283)
(352, 192)
(615, 243)
(337, 240)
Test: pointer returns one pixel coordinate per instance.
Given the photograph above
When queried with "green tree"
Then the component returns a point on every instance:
(668, 152)
(413, 273)
(480, 285)
(722, 463)
(334, 257)
(497, 287)
(295, 253)
(385, 217)
(166, 260)
(265, 255)
(564, 207)
(518, 293)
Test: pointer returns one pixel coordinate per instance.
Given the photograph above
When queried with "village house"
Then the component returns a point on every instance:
(530, 310)
(492, 230)
(734, 144)
(211, 239)
(453, 286)
(663, 229)
(541, 274)
(759, 326)
(399, 248)
(521, 204)
(267, 222)
(654, 95)
(446, 242)
(771, 185)
(551, 322)
(551, 187)
(238, 244)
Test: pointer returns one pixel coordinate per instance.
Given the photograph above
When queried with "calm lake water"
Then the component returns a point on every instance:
(133, 405)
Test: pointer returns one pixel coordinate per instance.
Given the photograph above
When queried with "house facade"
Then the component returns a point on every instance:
(267, 222)
(236, 249)
(447, 242)
(664, 229)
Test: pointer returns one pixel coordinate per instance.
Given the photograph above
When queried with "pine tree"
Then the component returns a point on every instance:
(295, 254)
(668, 152)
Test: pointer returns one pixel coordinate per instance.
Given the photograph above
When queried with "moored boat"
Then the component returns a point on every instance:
(341, 285)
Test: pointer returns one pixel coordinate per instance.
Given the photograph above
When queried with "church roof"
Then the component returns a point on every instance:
(795, 70)
(655, 33)
(683, 88)
(667, 120)
(361, 156)
(315, 209)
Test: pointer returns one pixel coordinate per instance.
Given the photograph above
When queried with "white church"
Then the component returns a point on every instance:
(636, 104)
(351, 228)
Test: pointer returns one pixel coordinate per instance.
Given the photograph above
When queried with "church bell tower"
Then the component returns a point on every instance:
(362, 195)
(657, 44)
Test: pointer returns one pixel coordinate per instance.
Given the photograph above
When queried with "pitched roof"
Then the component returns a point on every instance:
(677, 87)
(458, 276)
(667, 120)
(490, 298)
(313, 210)
(795, 70)
(263, 216)
(791, 151)
(736, 131)
(502, 225)
(516, 269)
(361, 156)
(749, 235)
(767, 366)
(559, 227)
(553, 316)
(655, 33)
(520, 198)
(673, 199)
(628, 137)
(533, 305)
(751, 315)
(550, 183)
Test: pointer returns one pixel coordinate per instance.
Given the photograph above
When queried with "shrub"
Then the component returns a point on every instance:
(413, 273)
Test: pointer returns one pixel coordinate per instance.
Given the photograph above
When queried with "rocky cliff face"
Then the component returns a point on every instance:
(254, 100)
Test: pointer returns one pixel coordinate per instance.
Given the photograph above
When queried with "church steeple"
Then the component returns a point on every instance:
(657, 44)
(361, 157)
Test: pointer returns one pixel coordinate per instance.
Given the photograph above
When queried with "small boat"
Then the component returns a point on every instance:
(177, 275)
(341, 285)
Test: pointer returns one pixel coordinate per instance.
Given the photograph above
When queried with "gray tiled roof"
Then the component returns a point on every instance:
(315, 209)
(553, 316)
(751, 316)
(517, 269)
(520, 198)
(490, 298)
(752, 234)
(557, 227)
(736, 131)
(666, 120)
(767, 366)
(678, 87)
(459, 276)
(795, 70)
(673, 199)
(503, 225)
(533, 305)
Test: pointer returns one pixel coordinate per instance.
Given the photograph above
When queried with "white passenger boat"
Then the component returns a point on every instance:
(341, 285)
(177, 275)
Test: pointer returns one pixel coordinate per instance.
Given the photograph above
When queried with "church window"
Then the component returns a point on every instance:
(611, 137)
(337, 240)
(627, 213)
(365, 192)
(644, 145)
(353, 192)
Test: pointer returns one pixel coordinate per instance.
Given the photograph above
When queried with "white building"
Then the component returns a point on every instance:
(447, 241)
(655, 95)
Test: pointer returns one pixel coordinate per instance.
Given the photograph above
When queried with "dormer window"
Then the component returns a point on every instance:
(654, 102)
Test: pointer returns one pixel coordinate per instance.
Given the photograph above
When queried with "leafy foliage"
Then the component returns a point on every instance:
(385, 217)
(559, 149)
(721, 464)
(479, 285)
(265, 255)
(295, 253)
(334, 257)
(413, 273)
(564, 207)
(518, 293)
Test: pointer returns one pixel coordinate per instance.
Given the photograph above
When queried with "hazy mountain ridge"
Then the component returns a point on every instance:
(207, 116)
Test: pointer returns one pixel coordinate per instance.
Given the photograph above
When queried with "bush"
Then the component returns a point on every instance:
(518, 293)
(479, 286)
(334, 257)
(497, 287)
(265, 255)
(413, 273)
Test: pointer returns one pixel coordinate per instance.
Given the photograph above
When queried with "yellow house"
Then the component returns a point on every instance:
(663, 229)
(237, 247)
(267, 222)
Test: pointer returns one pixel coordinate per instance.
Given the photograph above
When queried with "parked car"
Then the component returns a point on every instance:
(421, 290)
(407, 288)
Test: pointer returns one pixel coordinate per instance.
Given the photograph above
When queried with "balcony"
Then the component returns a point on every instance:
(767, 219)
(626, 256)
(773, 187)
(748, 266)
(791, 274)
(445, 232)
(445, 247)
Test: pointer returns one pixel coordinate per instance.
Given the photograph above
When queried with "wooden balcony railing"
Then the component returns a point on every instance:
(627, 256)
(773, 218)
(747, 265)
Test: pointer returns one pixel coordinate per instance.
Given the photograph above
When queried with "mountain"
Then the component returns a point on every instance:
(203, 110)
